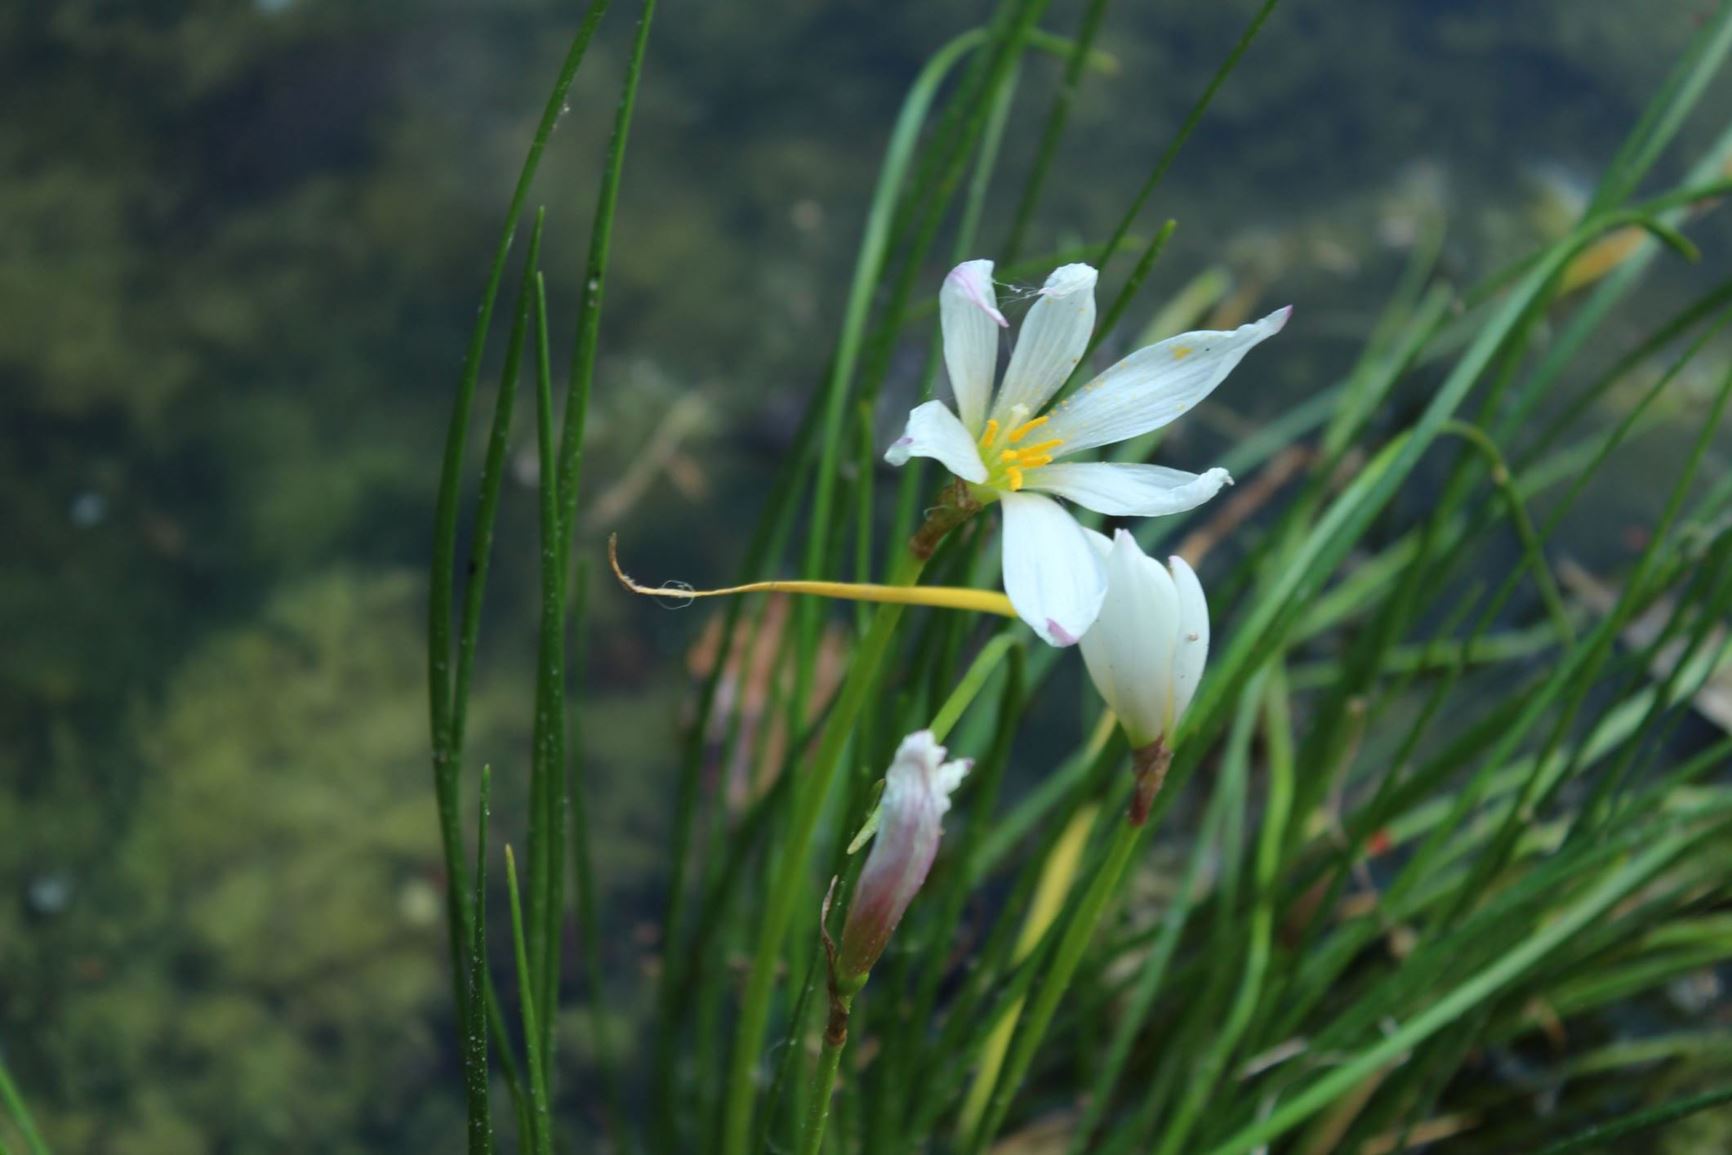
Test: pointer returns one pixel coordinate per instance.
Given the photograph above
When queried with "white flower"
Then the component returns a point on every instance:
(1147, 649)
(917, 791)
(1009, 451)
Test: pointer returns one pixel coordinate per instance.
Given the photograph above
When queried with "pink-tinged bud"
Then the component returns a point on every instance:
(917, 793)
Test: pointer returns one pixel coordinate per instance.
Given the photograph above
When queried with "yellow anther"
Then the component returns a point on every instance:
(1011, 465)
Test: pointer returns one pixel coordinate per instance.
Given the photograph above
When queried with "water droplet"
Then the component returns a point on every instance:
(88, 509)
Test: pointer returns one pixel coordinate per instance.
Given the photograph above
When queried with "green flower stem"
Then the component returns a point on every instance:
(829, 1061)
(788, 873)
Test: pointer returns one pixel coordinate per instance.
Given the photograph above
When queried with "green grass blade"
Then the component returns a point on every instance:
(442, 578)
(475, 1078)
(1546, 938)
(788, 873)
(582, 376)
(1053, 130)
(547, 777)
(540, 1124)
(1171, 153)
(1600, 1136)
(21, 1117)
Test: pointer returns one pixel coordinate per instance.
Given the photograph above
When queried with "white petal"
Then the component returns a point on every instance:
(933, 431)
(969, 318)
(947, 778)
(1127, 490)
(1054, 577)
(1054, 335)
(1153, 386)
(1193, 645)
(1129, 651)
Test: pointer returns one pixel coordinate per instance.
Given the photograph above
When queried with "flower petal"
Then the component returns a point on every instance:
(1129, 650)
(1123, 490)
(1153, 386)
(969, 318)
(1052, 573)
(1193, 645)
(1054, 335)
(933, 431)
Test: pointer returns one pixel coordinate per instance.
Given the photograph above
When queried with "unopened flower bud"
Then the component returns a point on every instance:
(1146, 652)
(917, 792)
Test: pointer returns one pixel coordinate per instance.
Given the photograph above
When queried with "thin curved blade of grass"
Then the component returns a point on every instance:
(540, 1123)
(475, 1078)
(547, 802)
(446, 760)
(20, 1112)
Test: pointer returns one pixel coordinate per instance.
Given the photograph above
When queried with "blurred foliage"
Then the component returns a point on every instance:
(239, 251)
(285, 837)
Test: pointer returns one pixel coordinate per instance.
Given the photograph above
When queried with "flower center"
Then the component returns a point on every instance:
(1006, 458)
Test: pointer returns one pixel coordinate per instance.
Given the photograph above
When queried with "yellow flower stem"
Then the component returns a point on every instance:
(939, 597)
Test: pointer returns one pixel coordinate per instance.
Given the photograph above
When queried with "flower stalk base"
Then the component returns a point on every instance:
(842, 988)
(955, 505)
(1149, 764)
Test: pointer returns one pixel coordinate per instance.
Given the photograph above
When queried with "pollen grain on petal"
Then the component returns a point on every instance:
(1180, 352)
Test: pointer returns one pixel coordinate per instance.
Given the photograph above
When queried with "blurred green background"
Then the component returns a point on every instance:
(241, 246)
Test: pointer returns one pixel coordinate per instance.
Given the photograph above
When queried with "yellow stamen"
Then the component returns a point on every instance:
(1036, 461)
(1041, 446)
(940, 597)
(991, 434)
(1025, 429)
(1013, 476)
